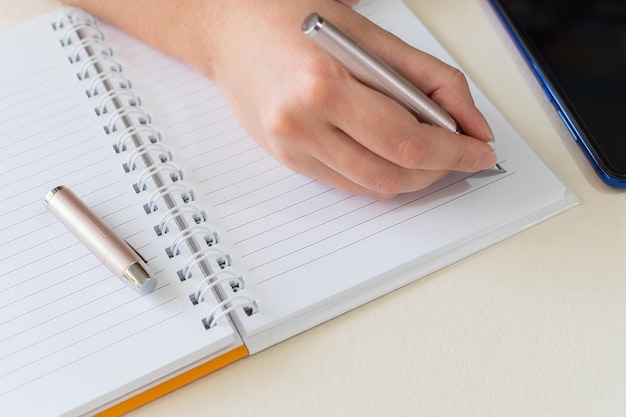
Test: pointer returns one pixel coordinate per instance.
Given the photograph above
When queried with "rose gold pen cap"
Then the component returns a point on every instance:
(117, 255)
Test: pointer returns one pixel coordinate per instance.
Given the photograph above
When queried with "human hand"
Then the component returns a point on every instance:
(313, 116)
(305, 108)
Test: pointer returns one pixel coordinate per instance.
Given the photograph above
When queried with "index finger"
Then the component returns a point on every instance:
(387, 129)
(444, 84)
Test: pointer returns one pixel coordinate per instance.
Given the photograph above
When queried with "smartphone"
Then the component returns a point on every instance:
(577, 50)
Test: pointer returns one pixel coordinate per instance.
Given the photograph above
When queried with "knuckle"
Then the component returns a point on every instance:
(457, 77)
(280, 120)
(410, 153)
(318, 89)
(285, 115)
(390, 183)
(460, 163)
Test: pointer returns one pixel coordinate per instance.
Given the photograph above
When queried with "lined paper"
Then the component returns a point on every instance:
(302, 245)
(305, 251)
(65, 321)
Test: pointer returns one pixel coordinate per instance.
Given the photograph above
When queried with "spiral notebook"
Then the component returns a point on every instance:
(247, 253)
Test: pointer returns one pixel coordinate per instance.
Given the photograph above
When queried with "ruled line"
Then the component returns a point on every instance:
(369, 236)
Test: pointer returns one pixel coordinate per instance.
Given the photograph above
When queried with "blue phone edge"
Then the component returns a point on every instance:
(556, 101)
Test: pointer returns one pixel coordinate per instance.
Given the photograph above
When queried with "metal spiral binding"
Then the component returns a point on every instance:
(92, 42)
(154, 136)
(154, 172)
(215, 254)
(208, 236)
(106, 77)
(162, 154)
(225, 276)
(76, 26)
(153, 163)
(230, 304)
(95, 61)
(124, 116)
(168, 189)
(197, 215)
(110, 96)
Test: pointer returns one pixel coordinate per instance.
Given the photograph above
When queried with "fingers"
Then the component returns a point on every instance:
(306, 110)
(451, 91)
(446, 85)
(346, 134)
(344, 155)
(386, 129)
(338, 160)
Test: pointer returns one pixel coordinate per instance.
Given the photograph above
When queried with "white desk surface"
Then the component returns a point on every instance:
(534, 326)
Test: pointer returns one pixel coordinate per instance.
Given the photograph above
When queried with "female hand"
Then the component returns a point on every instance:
(301, 105)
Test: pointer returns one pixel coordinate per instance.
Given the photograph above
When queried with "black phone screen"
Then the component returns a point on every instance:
(579, 47)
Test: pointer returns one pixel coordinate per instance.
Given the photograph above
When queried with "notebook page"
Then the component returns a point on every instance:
(305, 248)
(72, 336)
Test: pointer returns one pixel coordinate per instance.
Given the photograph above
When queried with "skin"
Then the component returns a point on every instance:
(300, 104)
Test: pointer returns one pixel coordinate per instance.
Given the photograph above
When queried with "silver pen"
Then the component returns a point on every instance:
(110, 249)
(370, 70)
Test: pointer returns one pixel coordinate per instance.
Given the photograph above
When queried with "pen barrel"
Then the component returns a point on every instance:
(99, 238)
(374, 72)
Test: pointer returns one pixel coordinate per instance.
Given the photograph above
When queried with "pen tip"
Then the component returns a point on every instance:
(499, 168)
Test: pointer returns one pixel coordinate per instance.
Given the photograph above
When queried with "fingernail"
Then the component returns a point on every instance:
(486, 161)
